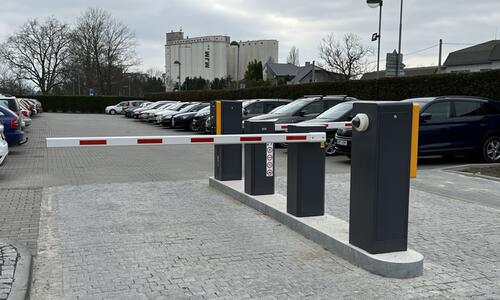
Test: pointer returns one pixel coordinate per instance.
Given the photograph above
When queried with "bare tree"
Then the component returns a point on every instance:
(293, 56)
(346, 56)
(37, 52)
(12, 84)
(102, 49)
(154, 72)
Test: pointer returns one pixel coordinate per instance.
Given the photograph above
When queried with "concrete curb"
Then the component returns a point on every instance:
(22, 275)
(460, 170)
(329, 232)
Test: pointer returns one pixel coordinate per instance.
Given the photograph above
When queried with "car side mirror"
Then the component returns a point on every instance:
(302, 114)
(425, 117)
(245, 112)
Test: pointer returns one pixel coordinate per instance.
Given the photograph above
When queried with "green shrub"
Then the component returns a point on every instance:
(484, 84)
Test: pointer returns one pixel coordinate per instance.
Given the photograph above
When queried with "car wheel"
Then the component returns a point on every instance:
(112, 112)
(190, 126)
(330, 146)
(491, 150)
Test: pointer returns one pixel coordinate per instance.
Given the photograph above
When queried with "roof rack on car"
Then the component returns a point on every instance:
(312, 96)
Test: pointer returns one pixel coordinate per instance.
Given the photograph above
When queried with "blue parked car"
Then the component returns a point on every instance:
(13, 132)
(451, 125)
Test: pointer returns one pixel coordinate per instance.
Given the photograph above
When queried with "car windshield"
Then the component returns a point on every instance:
(337, 111)
(292, 107)
(247, 103)
(4, 102)
(157, 106)
(165, 106)
(177, 106)
(199, 107)
(188, 108)
(275, 110)
(205, 110)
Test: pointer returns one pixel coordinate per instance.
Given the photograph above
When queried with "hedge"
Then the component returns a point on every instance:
(485, 84)
(83, 104)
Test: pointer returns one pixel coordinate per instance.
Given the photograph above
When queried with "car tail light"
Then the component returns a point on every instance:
(25, 113)
(14, 123)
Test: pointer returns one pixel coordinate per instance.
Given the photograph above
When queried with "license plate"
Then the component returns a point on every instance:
(341, 143)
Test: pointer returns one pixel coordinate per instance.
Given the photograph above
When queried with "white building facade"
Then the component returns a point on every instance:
(212, 57)
(263, 50)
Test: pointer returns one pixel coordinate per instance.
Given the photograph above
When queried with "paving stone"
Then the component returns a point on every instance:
(185, 240)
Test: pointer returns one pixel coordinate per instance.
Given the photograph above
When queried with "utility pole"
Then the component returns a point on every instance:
(400, 36)
(377, 36)
(313, 71)
(129, 87)
(440, 55)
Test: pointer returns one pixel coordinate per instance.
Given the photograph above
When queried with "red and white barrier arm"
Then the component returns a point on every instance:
(312, 137)
(328, 125)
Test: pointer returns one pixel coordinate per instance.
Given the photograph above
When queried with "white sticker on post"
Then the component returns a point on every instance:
(269, 159)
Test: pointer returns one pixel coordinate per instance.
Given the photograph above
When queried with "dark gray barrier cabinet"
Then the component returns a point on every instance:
(306, 175)
(259, 161)
(380, 177)
(228, 158)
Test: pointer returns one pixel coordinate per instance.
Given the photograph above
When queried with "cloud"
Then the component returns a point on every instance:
(293, 22)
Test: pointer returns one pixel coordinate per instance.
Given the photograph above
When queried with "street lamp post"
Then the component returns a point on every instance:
(400, 34)
(377, 36)
(179, 63)
(235, 43)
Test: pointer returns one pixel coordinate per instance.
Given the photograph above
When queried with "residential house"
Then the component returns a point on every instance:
(280, 74)
(478, 58)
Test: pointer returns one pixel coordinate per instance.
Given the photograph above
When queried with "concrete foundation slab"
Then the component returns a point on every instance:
(329, 232)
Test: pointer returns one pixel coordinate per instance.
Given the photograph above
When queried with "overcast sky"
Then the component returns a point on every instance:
(292, 22)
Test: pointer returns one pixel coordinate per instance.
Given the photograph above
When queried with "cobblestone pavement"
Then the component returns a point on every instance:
(174, 240)
(20, 215)
(8, 261)
(130, 223)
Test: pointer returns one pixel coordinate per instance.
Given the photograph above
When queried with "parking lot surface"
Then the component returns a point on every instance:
(141, 223)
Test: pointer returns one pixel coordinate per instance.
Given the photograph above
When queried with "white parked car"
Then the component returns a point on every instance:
(116, 109)
(4, 147)
(147, 115)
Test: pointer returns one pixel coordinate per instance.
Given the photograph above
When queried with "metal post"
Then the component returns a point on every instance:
(440, 55)
(259, 161)
(306, 175)
(238, 68)
(228, 159)
(314, 71)
(400, 36)
(380, 176)
(180, 88)
(379, 38)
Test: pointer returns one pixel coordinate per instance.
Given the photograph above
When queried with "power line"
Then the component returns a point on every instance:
(422, 50)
